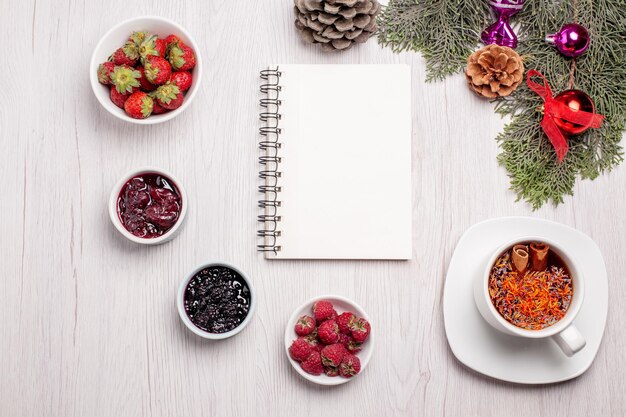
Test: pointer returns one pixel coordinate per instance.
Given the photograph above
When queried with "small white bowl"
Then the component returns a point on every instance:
(116, 37)
(341, 304)
(180, 303)
(115, 218)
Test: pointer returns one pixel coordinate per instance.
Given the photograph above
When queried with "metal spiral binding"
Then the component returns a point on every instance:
(269, 145)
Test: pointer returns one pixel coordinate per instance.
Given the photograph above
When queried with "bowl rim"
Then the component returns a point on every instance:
(153, 119)
(117, 189)
(573, 309)
(180, 302)
(290, 335)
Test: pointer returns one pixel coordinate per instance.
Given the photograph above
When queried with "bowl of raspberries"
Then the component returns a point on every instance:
(146, 70)
(328, 340)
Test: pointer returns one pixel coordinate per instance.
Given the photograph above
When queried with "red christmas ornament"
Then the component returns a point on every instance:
(577, 101)
(565, 114)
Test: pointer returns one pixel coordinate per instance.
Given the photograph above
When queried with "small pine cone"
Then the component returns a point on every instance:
(336, 24)
(494, 71)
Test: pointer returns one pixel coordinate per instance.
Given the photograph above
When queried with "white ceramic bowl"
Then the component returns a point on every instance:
(115, 218)
(341, 304)
(180, 303)
(116, 37)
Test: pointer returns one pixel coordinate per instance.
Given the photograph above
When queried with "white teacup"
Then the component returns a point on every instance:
(566, 336)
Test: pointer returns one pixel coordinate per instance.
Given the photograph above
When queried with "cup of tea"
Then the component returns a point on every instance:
(532, 288)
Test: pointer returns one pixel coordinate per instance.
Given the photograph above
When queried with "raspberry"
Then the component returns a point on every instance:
(344, 321)
(315, 344)
(305, 326)
(300, 349)
(313, 364)
(333, 354)
(350, 366)
(352, 346)
(328, 332)
(360, 330)
(323, 310)
(331, 371)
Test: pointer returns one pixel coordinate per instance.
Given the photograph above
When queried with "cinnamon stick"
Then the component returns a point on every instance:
(519, 258)
(539, 256)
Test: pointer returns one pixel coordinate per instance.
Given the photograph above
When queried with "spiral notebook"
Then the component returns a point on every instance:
(335, 162)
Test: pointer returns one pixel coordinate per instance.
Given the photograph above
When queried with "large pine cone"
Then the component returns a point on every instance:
(494, 71)
(336, 24)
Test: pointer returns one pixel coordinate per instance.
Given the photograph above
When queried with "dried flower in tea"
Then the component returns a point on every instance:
(532, 300)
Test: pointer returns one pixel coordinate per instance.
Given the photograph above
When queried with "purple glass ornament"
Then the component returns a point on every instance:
(571, 40)
(501, 32)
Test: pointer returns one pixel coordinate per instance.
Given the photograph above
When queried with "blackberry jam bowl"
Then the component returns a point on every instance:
(148, 205)
(216, 301)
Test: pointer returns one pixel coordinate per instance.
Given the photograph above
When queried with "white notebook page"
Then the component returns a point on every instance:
(346, 162)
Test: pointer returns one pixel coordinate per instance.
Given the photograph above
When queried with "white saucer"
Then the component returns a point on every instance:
(484, 349)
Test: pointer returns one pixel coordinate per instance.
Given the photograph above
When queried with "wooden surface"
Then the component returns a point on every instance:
(88, 325)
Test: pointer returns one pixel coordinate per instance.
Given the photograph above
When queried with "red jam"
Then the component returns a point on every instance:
(149, 205)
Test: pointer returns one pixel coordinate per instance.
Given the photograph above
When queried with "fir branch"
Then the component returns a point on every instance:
(443, 31)
(447, 31)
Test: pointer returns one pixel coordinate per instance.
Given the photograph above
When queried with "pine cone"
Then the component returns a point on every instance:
(494, 71)
(336, 24)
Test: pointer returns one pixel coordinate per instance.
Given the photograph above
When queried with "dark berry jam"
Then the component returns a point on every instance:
(149, 205)
(217, 299)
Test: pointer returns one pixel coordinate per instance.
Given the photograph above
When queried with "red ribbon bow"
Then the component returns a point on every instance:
(555, 109)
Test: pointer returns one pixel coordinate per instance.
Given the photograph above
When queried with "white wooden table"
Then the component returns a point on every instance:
(87, 320)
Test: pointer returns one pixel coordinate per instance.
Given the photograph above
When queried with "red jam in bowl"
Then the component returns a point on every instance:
(149, 205)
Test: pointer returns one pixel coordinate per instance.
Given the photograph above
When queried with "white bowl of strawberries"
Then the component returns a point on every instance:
(146, 70)
(328, 340)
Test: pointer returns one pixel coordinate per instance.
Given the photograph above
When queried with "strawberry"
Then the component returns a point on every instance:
(138, 37)
(148, 48)
(169, 96)
(117, 98)
(143, 81)
(333, 354)
(104, 72)
(170, 40)
(313, 364)
(138, 105)
(323, 310)
(125, 79)
(344, 321)
(350, 366)
(305, 326)
(160, 46)
(157, 109)
(126, 55)
(157, 70)
(328, 332)
(181, 56)
(331, 371)
(174, 104)
(360, 330)
(182, 79)
(300, 349)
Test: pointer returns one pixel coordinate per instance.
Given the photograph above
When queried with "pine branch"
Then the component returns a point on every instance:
(445, 32)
